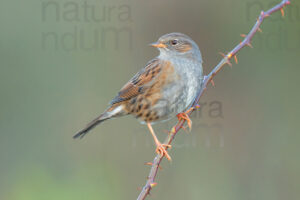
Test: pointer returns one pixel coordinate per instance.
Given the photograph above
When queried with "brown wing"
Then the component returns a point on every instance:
(139, 82)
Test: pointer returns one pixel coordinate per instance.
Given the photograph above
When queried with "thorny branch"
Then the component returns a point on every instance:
(209, 79)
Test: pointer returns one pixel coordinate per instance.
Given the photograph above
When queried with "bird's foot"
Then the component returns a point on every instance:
(162, 150)
(184, 116)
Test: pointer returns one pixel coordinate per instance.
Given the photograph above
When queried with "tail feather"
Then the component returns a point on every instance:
(90, 126)
(113, 111)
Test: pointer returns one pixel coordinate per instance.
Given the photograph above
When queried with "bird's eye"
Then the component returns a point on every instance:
(174, 42)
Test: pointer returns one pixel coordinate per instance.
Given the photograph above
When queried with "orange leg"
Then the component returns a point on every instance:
(160, 148)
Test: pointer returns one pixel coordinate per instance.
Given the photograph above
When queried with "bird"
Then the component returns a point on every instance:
(166, 87)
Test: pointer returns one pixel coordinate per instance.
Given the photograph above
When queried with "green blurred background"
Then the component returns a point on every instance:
(63, 60)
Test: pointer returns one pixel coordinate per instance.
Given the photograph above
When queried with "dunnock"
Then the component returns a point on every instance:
(164, 88)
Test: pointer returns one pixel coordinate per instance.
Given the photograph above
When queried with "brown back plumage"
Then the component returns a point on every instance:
(142, 92)
(137, 96)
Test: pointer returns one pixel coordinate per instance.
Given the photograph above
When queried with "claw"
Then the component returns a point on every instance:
(184, 116)
(162, 150)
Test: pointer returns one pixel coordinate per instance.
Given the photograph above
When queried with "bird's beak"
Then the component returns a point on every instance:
(158, 45)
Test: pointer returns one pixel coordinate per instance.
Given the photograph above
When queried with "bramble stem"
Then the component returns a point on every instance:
(150, 183)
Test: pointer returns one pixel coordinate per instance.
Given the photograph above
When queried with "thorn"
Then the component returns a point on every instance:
(184, 128)
(259, 30)
(262, 13)
(249, 45)
(197, 106)
(227, 58)
(288, 2)
(222, 54)
(243, 35)
(282, 12)
(235, 58)
(148, 163)
(151, 164)
(153, 185)
(229, 63)
(212, 82)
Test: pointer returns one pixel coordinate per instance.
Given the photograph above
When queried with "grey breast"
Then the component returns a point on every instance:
(180, 94)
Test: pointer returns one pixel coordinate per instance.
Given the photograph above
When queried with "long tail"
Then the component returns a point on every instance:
(90, 126)
(113, 111)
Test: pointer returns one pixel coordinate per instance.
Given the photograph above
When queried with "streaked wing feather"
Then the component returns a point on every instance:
(139, 82)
